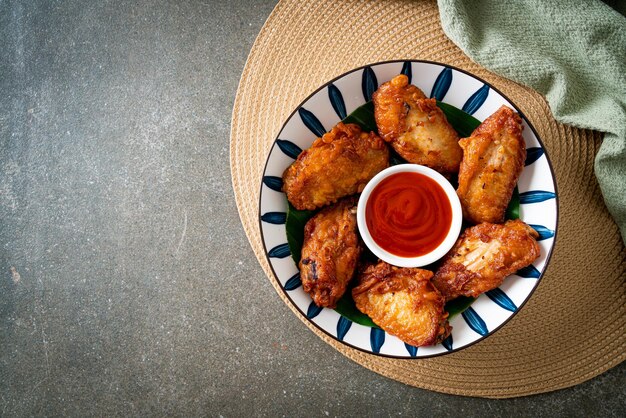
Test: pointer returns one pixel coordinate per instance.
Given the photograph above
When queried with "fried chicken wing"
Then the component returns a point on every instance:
(330, 252)
(493, 159)
(338, 164)
(403, 302)
(415, 127)
(484, 256)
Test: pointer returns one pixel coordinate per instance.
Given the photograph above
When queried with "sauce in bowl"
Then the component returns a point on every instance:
(408, 214)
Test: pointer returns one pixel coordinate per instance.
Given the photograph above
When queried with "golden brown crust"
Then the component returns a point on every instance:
(483, 256)
(415, 127)
(403, 302)
(330, 252)
(338, 164)
(493, 159)
(391, 107)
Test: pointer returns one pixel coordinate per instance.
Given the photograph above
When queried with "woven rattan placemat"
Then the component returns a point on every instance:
(574, 326)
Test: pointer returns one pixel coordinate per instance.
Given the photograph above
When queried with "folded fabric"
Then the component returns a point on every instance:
(571, 51)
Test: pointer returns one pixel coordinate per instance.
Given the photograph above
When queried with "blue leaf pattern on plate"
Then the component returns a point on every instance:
(369, 84)
(411, 349)
(474, 321)
(533, 154)
(280, 251)
(528, 272)
(476, 100)
(442, 84)
(313, 310)
(447, 343)
(312, 122)
(289, 148)
(535, 196)
(377, 339)
(544, 233)
(273, 182)
(294, 282)
(343, 326)
(407, 70)
(501, 298)
(275, 218)
(336, 100)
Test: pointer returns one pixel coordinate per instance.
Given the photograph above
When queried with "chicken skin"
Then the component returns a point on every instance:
(415, 127)
(403, 302)
(484, 256)
(330, 252)
(493, 159)
(338, 164)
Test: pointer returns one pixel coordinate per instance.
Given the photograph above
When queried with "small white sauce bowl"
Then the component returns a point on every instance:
(441, 249)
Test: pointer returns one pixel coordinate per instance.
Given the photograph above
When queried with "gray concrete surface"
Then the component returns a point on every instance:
(127, 285)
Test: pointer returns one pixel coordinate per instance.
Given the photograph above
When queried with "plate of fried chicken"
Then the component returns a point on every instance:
(408, 112)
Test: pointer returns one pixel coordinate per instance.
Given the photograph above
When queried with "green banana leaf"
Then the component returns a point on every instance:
(294, 224)
(363, 116)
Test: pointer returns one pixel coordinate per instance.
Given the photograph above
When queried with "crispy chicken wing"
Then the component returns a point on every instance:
(484, 256)
(338, 164)
(493, 159)
(416, 128)
(330, 252)
(403, 302)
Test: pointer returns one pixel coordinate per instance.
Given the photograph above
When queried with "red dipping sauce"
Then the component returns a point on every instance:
(408, 214)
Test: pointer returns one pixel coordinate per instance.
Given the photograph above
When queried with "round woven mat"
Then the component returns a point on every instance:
(574, 326)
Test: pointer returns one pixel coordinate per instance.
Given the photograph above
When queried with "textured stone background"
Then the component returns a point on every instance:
(127, 285)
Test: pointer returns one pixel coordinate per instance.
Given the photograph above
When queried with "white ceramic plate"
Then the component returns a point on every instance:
(330, 104)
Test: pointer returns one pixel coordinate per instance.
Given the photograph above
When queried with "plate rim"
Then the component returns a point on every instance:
(548, 256)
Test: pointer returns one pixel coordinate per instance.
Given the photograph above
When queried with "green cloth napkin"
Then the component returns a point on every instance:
(571, 51)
